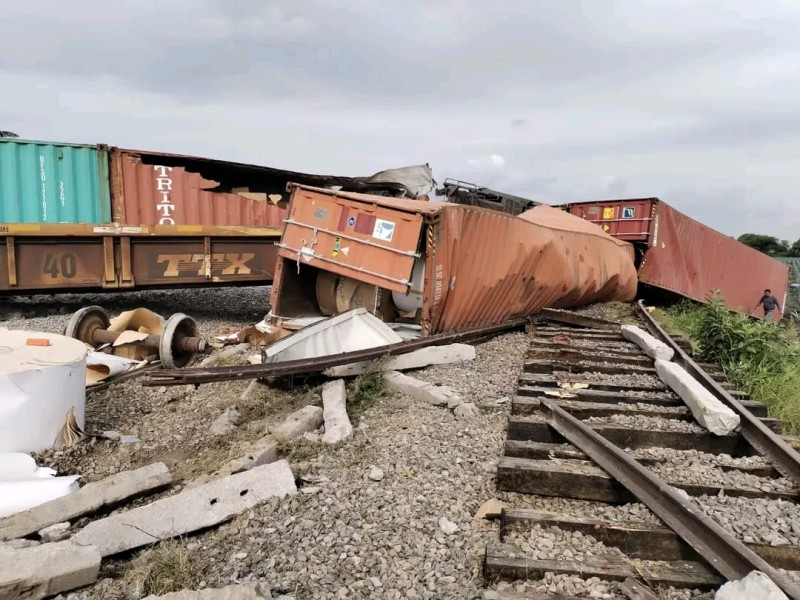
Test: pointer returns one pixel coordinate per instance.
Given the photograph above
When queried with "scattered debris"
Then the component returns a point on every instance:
(226, 422)
(754, 585)
(39, 386)
(245, 591)
(448, 527)
(376, 474)
(652, 347)
(432, 355)
(438, 395)
(334, 402)
(262, 452)
(307, 419)
(223, 355)
(707, 410)
(23, 485)
(46, 570)
(91, 497)
(465, 411)
(190, 510)
(101, 366)
(491, 509)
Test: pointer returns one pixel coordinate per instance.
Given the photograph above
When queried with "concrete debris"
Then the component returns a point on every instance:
(466, 411)
(432, 355)
(376, 474)
(334, 402)
(652, 347)
(448, 527)
(226, 422)
(437, 395)
(192, 509)
(755, 586)
(707, 410)
(307, 419)
(262, 452)
(55, 533)
(107, 492)
(491, 509)
(249, 591)
(46, 570)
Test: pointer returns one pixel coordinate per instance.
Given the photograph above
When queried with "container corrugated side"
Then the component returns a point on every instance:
(43, 182)
(482, 267)
(692, 260)
(629, 220)
(155, 194)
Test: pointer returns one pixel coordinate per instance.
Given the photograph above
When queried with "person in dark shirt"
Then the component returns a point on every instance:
(770, 304)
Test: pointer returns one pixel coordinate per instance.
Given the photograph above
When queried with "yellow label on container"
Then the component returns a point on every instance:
(608, 213)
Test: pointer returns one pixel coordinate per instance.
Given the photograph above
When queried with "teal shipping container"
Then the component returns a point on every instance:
(51, 183)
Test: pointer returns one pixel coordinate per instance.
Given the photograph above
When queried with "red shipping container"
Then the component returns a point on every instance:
(685, 257)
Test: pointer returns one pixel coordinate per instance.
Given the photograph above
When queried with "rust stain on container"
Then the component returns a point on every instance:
(160, 194)
(685, 257)
(480, 266)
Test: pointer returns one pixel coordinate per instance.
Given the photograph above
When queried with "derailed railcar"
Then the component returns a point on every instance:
(438, 266)
(88, 217)
(683, 257)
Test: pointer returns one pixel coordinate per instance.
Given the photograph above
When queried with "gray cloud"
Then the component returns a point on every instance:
(692, 101)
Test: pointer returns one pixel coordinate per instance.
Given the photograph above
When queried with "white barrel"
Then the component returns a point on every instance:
(38, 387)
(411, 301)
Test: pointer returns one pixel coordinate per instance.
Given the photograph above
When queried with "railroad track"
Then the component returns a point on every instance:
(592, 433)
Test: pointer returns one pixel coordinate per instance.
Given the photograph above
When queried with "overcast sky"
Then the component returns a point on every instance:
(564, 100)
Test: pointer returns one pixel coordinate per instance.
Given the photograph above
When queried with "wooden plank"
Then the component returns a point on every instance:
(547, 343)
(601, 396)
(550, 380)
(583, 480)
(507, 562)
(575, 335)
(636, 590)
(584, 410)
(571, 318)
(637, 540)
(528, 428)
(548, 366)
(575, 354)
(541, 451)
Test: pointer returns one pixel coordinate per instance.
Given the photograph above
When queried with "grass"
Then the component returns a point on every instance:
(759, 357)
(366, 391)
(166, 568)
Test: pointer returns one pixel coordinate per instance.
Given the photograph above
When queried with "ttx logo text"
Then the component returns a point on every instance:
(194, 264)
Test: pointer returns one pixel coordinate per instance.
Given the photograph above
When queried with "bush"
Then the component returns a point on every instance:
(760, 357)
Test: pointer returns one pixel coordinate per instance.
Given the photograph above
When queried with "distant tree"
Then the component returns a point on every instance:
(794, 249)
(765, 243)
(8, 134)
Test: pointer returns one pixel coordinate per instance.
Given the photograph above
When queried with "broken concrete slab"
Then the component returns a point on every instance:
(424, 357)
(653, 347)
(247, 591)
(756, 585)
(226, 422)
(437, 395)
(55, 533)
(91, 497)
(262, 452)
(192, 509)
(307, 419)
(491, 509)
(334, 402)
(46, 570)
(707, 410)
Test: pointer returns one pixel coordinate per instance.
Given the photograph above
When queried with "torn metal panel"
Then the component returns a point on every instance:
(470, 194)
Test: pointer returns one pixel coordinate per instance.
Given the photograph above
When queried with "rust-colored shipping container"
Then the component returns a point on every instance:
(685, 257)
(439, 266)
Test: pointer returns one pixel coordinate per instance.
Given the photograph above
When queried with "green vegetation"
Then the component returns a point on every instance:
(166, 568)
(761, 358)
(365, 391)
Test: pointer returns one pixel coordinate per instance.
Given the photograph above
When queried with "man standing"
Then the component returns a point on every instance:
(770, 304)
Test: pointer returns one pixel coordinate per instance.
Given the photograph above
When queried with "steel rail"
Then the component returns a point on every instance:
(772, 446)
(197, 376)
(729, 556)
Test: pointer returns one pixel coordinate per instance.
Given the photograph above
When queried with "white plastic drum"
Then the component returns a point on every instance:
(411, 301)
(39, 386)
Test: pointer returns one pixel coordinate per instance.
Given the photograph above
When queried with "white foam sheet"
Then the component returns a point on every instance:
(23, 485)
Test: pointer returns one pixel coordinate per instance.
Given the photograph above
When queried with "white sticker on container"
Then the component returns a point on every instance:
(384, 230)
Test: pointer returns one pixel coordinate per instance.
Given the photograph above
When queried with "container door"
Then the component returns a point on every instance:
(361, 240)
(628, 220)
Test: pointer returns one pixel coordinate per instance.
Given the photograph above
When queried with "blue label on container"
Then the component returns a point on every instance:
(628, 212)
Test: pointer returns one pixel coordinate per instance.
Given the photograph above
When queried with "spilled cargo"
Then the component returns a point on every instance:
(439, 267)
(679, 255)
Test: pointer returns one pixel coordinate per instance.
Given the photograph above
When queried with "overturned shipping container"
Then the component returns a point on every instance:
(437, 266)
(682, 256)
